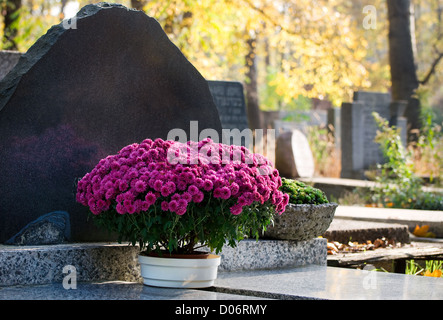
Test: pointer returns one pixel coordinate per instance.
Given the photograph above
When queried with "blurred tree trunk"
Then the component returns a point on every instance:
(138, 4)
(402, 58)
(10, 12)
(252, 102)
(62, 8)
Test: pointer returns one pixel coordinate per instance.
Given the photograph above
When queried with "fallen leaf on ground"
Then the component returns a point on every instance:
(435, 273)
(335, 247)
(379, 243)
(423, 231)
(332, 247)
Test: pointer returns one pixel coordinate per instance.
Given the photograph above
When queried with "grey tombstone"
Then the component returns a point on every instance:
(372, 102)
(358, 130)
(80, 94)
(230, 101)
(352, 165)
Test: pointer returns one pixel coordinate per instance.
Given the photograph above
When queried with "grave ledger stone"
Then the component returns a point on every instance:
(81, 94)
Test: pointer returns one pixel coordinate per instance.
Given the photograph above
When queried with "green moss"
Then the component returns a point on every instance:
(301, 193)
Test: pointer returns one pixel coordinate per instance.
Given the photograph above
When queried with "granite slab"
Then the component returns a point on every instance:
(311, 282)
(345, 230)
(112, 290)
(320, 282)
(409, 217)
(269, 254)
(387, 256)
(33, 265)
(338, 187)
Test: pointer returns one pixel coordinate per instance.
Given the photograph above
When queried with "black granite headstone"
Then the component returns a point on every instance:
(80, 94)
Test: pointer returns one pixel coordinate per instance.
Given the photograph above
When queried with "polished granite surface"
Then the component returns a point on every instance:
(319, 282)
(305, 282)
(111, 290)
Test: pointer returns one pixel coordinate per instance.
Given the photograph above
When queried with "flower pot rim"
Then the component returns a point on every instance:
(328, 204)
(168, 255)
(210, 260)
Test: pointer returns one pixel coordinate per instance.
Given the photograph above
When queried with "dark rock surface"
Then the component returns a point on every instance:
(81, 94)
(51, 228)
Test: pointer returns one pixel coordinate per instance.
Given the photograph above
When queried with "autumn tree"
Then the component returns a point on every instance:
(138, 4)
(429, 44)
(252, 96)
(309, 45)
(10, 13)
(403, 57)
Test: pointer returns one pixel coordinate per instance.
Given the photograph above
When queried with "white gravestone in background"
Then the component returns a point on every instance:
(293, 155)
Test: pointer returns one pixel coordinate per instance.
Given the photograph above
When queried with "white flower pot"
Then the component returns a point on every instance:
(179, 272)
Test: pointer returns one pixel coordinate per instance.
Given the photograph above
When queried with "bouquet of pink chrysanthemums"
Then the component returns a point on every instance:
(175, 196)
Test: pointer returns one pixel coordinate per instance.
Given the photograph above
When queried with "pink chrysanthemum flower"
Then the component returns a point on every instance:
(140, 186)
(132, 180)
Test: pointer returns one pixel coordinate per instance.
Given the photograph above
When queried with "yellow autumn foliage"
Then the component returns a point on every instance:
(316, 48)
(310, 42)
